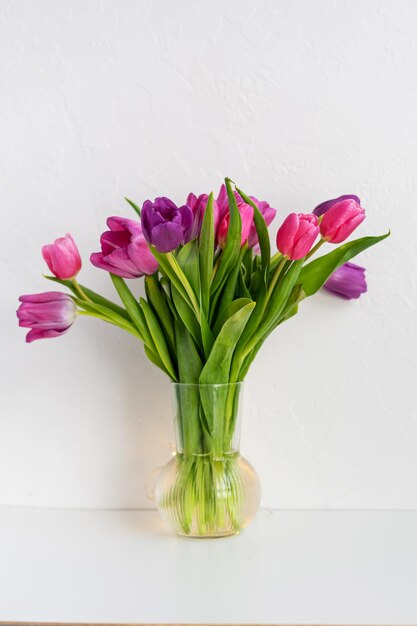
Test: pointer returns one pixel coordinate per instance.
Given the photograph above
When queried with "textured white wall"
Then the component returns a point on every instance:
(298, 102)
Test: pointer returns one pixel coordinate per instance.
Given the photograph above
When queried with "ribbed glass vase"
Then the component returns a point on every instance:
(207, 489)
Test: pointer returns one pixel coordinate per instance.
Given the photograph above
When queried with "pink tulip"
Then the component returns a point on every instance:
(48, 314)
(246, 214)
(62, 257)
(124, 250)
(297, 234)
(268, 214)
(341, 220)
(198, 207)
(223, 207)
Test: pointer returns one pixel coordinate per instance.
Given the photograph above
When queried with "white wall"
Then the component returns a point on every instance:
(298, 102)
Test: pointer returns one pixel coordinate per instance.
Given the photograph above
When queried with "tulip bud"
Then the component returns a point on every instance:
(198, 207)
(327, 204)
(348, 281)
(340, 220)
(165, 225)
(246, 215)
(62, 257)
(223, 208)
(124, 250)
(296, 235)
(48, 314)
(268, 213)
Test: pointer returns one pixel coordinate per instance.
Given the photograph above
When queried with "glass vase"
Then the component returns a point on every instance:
(207, 489)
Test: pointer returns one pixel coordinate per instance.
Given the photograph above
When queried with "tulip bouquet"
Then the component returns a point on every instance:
(214, 293)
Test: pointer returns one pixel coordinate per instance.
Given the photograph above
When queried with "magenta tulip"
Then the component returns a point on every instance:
(348, 281)
(223, 207)
(124, 250)
(48, 314)
(246, 215)
(340, 220)
(297, 234)
(62, 257)
(323, 207)
(198, 208)
(268, 214)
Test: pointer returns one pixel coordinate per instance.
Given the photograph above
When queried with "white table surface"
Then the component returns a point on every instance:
(288, 567)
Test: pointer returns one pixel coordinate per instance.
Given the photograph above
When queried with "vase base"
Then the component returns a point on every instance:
(219, 535)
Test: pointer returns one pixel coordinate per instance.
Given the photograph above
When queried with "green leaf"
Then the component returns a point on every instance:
(289, 311)
(217, 367)
(169, 265)
(314, 274)
(206, 335)
(157, 298)
(189, 362)
(102, 312)
(158, 338)
(228, 311)
(187, 315)
(261, 229)
(134, 206)
(228, 292)
(231, 249)
(273, 310)
(206, 251)
(188, 260)
(132, 307)
(92, 295)
(155, 359)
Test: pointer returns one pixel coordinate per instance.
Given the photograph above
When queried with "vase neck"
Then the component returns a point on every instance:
(207, 419)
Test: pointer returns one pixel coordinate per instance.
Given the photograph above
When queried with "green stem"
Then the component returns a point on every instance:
(274, 279)
(128, 328)
(314, 249)
(79, 290)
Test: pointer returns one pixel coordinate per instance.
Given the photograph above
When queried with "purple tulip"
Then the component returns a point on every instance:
(48, 314)
(124, 250)
(164, 225)
(348, 281)
(198, 208)
(327, 204)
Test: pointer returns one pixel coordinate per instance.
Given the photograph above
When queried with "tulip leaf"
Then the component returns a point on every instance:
(155, 359)
(169, 265)
(314, 274)
(206, 335)
(157, 298)
(188, 260)
(217, 367)
(269, 312)
(92, 295)
(261, 229)
(158, 338)
(229, 310)
(133, 308)
(187, 315)
(187, 395)
(234, 234)
(134, 206)
(189, 362)
(206, 251)
(228, 292)
(102, 312)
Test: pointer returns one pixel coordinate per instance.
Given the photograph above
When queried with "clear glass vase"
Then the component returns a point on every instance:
(207, 489)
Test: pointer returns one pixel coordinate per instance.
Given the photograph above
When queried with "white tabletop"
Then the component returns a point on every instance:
(288, 567)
